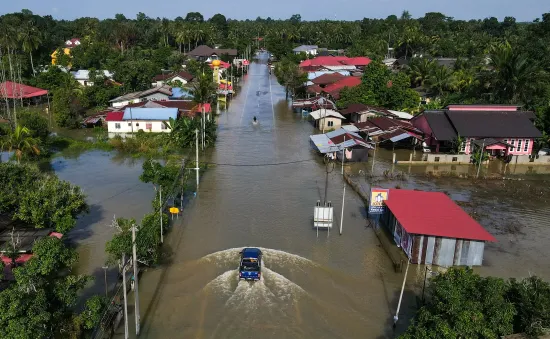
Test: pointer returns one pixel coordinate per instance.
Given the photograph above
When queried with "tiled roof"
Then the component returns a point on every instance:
(206, 51)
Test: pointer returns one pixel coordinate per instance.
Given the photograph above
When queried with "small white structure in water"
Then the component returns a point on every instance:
(323, 215)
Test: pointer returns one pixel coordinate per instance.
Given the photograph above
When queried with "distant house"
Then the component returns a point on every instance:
(155, 93)
(332, 144)
(72, 43)
(326, 119)
(312, 104)
(185, 107)
(133, 120)
(362, 112)
(327, 79)
(69, 44)
(83, 76)
(206, 53)
(335, 88)
(432, 229)
(162, 79)
(336, 63)
(307, 49)
(506, 130)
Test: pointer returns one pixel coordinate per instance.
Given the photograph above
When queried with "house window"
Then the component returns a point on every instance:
(129, 124)
(526, 148)
(436, 159)
(512, 142)
(463, 147)
(455, 159)
(330, 123)
(117, 125)
(137, 124)
(519, 145)
(149, 126)
(163, 125)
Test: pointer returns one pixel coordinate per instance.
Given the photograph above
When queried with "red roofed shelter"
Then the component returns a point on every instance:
(433, 229)
(14, 90)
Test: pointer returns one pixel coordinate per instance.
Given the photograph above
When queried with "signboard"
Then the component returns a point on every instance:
(245, 62)
(377, 198)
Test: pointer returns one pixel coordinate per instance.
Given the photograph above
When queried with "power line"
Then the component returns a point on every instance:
(259, 165)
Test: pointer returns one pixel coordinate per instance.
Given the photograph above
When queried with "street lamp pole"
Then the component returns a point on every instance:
(396, 317)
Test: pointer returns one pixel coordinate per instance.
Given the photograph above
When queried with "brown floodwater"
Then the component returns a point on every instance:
(314, 285)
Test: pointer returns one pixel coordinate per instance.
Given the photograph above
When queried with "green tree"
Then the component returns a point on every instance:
(194, 17)
(35, 122)
(53, 203)
(39, 303)
(462, 304)
(515, 78)
(30, 39)
(531, 298)
(147, 239)
(21, 142)
(381, 87)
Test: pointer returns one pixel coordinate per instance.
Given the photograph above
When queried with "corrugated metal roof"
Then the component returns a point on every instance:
(322, 113)
(150, 113)
(350, 128)
(435, 214)
(401, 115)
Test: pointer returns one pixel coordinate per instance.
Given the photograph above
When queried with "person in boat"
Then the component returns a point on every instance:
(255, 121)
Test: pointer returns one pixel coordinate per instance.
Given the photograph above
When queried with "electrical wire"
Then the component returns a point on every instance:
(259, 165)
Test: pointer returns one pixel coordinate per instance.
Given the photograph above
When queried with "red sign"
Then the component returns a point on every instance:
(245, 62)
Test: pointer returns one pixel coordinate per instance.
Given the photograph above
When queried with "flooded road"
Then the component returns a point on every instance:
(260, 191)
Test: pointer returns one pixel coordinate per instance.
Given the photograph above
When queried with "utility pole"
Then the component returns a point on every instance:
(126, 335)
(136, 294)
(480, 158)
(202, 126)
(197, 155)
(344, 194)
(373, 160)
(160, 211)
(105, 272)
(396, 317)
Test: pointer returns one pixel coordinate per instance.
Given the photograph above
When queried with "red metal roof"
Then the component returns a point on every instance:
(340, 84)
(357, 61)
(336, 61)
(314, 89)
(435, 214)
(114, 116)
(328, 78)
(14, 90)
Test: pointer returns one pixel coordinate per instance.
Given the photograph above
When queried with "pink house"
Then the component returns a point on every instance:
(500, 129)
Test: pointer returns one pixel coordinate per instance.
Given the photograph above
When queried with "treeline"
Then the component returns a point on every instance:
(462, 304)
(38, 299)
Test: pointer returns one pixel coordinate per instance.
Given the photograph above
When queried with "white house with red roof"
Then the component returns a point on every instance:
(72, 42)
(432, 229)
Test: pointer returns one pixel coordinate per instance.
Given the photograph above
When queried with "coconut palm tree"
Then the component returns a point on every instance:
(20, 142)
(440, 80)
(515, 77)
(30, 39)
(419, 69)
